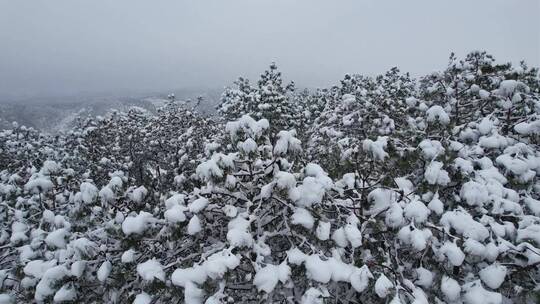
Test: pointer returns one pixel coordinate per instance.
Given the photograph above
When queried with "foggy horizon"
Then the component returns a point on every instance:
(72, 48)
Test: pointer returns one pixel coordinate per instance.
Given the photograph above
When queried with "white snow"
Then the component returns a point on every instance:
(485, 126)
(431, 148)
(137, 224)
(474, 193)
(128, 256)
(46, 286)
(106, 195)
(267, 277)
(248, 125)
(424, 277)
(453, 253)
(475, 293)
(37, 268)
(138, 194)
(38, 184)
(383, 286)
(437, 113)
(285, 180)
(450, 288)
(150, 270)
(436, 175)
(303, 217)
(65, 293)
(214, 267)
(194, 225)
(376, 148)
(142, 298)
(394, 216)
(313, 296)
(287, 142)
(238, 232)
(417, 211)
(493, 275)
(464, 224)
(175, 214)
(104, 271)
(57, 238)
(353, 234)
(436, 205)
(198, 205)
(248, 146)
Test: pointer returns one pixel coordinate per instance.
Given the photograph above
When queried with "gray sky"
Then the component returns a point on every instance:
(64, 47)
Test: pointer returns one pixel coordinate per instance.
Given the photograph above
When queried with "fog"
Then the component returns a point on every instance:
(66, 47)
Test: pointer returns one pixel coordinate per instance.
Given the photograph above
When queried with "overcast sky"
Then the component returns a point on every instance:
(65, 47)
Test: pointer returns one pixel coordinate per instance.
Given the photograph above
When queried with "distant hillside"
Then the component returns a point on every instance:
(52, 115)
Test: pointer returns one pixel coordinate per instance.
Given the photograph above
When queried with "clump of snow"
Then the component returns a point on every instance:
(247, 125)
(323, 231)
(475, 293)
(248, 146)
(454, 254)
(417, 211)
(485, 126)
(353, 234)
(417, 238)
(214, 267)
(431, 148)
(436, 175)
(267, 277)
(495, 141)
(383, 286)
(175, 214)
(5, 298)
(474, 193)
(238, 232)
(194, 225)
(128, 256)
(287, 142)
(348, 100)
(437, 113)
(38, 184)
(394, 216)
(463, 223)
(528, 128)
(303, 217)
(37, 268)
(436, 205)
(493, 275)
(104, 271)
(424, 277)
(313, 187)
(106, 195)
(198, 205)
(450, 288)
(138, 194)
(46, 286)
(57, 238)
(150, 270)
(314, 296)
(285, 180)
(381, 199)
(142, 298)
(65, 293)
(137, 224)
(376, 148)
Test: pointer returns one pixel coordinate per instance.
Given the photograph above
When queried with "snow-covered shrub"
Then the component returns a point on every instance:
(383, 189)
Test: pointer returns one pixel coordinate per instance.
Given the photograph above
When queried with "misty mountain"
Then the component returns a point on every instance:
(51, 115)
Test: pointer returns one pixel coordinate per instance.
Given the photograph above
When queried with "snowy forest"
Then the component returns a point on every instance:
(378, 189)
